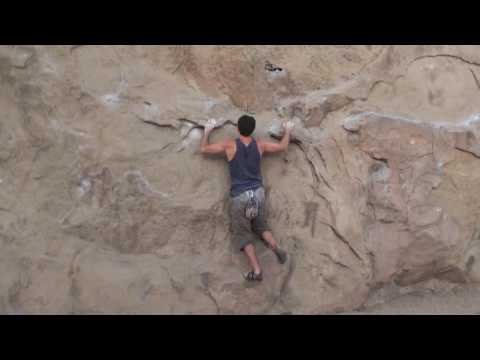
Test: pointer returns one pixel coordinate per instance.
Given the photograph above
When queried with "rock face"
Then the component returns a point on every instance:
(106, 206)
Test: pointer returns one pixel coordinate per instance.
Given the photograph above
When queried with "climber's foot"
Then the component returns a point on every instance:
(281, 255)
(253, 276)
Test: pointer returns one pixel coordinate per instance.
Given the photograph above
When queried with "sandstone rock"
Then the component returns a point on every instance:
(106, 206)
(18, 56)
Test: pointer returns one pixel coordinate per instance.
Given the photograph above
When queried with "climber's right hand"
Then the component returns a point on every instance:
(210, 125)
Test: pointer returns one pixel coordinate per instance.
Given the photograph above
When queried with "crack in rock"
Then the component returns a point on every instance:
(342, 239)
(205, 279)
(184, 55)
(72, 273)
(444, 56)
(392, 82)
(76, 47)
(193, 124)
(467, 152)
(317, 174)
(475, 78)
(338, 263)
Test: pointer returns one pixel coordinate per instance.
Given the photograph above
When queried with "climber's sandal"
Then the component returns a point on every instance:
(251, 276)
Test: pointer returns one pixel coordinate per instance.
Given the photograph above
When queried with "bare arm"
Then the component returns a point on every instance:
(270, 147)
(205, 147)
(216, 148)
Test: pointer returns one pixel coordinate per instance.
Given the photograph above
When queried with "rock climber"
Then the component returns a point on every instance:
(247, 194)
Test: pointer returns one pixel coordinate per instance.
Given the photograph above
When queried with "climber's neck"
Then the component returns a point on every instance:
(246, 139)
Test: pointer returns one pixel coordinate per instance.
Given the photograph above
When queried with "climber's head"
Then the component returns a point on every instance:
(246, 125)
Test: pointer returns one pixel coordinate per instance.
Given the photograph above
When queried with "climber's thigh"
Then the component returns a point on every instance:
(260, 223)
(240, 226)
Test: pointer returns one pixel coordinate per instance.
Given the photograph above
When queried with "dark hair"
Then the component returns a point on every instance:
(246, 125)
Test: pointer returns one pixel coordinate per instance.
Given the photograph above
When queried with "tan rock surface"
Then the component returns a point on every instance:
(106, 206)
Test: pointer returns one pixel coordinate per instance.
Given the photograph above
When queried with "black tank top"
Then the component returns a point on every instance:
(245, 168)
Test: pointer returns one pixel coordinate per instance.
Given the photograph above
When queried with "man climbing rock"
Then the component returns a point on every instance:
(247, 194)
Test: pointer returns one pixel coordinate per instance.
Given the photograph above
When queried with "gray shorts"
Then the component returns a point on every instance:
(245, 231)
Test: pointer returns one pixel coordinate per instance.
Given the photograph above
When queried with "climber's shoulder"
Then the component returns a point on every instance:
(230, 148)
(229, 143)
(260, 145)
(226, 144)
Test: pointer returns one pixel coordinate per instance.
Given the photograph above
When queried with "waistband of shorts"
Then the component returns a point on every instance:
(243, 193)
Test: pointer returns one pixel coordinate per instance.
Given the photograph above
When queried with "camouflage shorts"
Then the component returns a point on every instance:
(245, 231)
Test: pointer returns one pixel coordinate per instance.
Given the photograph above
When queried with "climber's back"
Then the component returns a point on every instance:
(244, 166)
